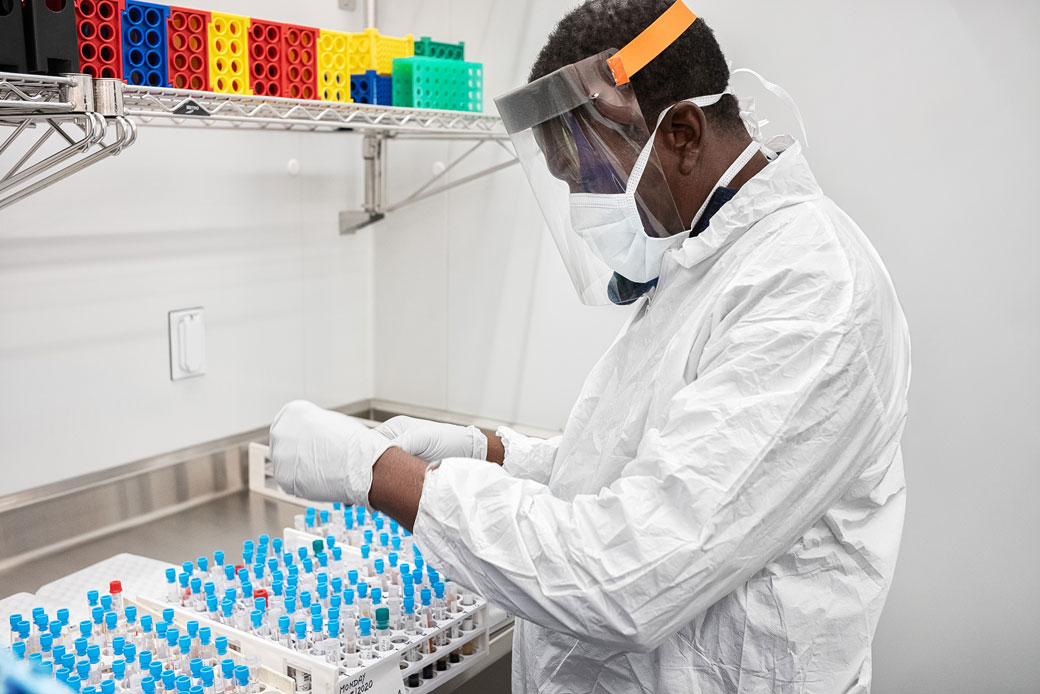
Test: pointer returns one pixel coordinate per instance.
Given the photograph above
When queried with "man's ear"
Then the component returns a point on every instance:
(684, 127)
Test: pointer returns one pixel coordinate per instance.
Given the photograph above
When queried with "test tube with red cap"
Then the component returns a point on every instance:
(115, 589)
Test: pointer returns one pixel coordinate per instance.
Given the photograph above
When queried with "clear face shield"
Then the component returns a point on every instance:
(586, 150)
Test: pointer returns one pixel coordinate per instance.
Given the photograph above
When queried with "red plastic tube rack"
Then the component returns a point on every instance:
(98, 34)
(265, 58)
(188, 43)
(300, 66)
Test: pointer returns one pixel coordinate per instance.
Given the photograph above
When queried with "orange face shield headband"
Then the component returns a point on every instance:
(651, 42)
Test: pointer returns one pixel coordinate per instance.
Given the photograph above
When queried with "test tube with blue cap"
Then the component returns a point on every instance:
(172, 592)
(316, 627)
(227, 611)
(94, 661)
(55, 628)
(162, 649)
(364, 602)
(169, 678)
(183, 588)
(410, 620)
(220, 644)
(208, 679)
(245, 684)
(205, 644)
(119, 673)
(300, 642)
(195, 597)
(284, 637)
(173, 635)
(184, 652)
(111, 625)
(227, 671)
(366, 645)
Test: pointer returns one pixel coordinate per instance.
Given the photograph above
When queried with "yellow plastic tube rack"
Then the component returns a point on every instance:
(228, 56)
(333, 71)
(370, 50)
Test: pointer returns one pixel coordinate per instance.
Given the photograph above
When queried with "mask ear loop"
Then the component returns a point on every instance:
(735, 168)
(644, 156)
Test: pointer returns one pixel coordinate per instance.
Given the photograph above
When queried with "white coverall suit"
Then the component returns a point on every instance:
(723, 510)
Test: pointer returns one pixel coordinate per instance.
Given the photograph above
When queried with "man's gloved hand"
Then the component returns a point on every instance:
(323, 455)
(433, 441)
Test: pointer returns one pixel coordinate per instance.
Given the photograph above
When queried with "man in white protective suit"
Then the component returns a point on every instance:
(723, 510)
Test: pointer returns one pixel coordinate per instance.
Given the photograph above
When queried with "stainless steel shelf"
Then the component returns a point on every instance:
(179, 107)
(96, 118)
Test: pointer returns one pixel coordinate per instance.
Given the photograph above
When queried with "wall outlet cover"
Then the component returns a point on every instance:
(187, 343)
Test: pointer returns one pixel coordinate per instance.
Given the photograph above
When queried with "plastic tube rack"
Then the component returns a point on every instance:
(320, 677)
(463, 637)
(124, 624)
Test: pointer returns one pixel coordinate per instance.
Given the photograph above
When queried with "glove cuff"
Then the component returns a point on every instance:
(480, 443)
(362, 483)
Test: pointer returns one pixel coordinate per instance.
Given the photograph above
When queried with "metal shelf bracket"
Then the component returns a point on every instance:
(56, 126)
(377, 205)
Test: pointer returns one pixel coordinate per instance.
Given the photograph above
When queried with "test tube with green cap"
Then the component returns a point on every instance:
(383, 629)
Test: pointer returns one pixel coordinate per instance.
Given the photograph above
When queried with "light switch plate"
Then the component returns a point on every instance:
(187, 343)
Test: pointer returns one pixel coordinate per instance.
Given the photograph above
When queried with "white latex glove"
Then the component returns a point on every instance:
(323, 455)
(433, 441)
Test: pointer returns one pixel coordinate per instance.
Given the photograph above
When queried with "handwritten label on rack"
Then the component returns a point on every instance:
(384, 677)
(190, 107)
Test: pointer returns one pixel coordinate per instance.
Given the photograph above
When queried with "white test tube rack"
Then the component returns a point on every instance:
(386, 674)
(270, 681)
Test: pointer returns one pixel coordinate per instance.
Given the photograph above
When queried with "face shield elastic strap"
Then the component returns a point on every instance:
(748, 113)
(749, 117)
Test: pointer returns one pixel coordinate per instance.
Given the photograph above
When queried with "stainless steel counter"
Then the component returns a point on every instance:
(175, 507)
(221, 523)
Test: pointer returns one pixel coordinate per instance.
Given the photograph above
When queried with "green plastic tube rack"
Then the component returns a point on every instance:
(438, 83)
(428, 48)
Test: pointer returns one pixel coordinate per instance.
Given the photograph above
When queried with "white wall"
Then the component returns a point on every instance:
(89, 269)
(920, 119)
